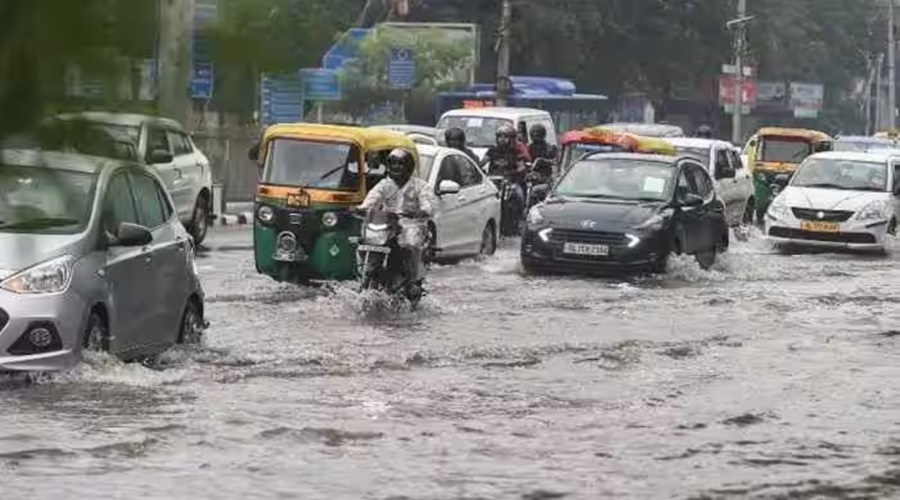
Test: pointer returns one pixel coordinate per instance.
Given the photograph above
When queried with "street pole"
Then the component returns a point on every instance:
(174, 58)
(879, 94)
(736, 133)
(892, 69)
(503, 53)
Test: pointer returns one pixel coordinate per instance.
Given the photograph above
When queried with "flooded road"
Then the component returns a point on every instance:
(770, 376)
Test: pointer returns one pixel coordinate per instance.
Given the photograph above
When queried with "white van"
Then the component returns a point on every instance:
(481, 124)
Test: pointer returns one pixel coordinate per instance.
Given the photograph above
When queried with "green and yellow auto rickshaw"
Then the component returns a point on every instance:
(773, 151)
(311, 175)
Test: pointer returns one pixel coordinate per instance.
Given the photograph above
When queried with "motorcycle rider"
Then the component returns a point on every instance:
(543, 154)
(456, 138)
(506, 158)
(409, 196)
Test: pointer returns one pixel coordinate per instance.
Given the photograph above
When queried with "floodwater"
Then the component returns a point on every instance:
(770, 376)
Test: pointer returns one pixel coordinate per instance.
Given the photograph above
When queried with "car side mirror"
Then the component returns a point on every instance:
(253, 152)
(132, 235)
(691, 200)
(782, 180)
(448, 187)
(160, 156)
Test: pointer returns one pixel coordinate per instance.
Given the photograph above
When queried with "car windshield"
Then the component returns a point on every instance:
(44, 200)
(105, 140)
(638, 180)
(481, 131)
(323, 165)
(785, 150)
(842, 174)
(425, 164)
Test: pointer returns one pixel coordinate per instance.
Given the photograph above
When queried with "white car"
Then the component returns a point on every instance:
(732, 178)
(467, 205)
(164, 145)
(840, 200)
(481, 124)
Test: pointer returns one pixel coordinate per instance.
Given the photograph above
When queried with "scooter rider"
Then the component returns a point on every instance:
(403, 193)
(456, 138)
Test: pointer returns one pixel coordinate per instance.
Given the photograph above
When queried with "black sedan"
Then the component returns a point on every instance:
(626, 212)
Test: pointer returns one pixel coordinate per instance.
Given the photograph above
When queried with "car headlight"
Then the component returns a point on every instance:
(535, 216)
(876, 210)
(652, 224)
(52, 276)
(265, 214)
(376, 236)
(779, 209)
(329, 219)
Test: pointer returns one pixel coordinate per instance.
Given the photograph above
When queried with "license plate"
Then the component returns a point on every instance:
(289, 256)
(820, 227)
(373, 248)
(586, 249)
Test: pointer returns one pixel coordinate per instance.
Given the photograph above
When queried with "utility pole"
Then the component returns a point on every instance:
(879, 93)
(174, 59)
(892, 68)
(503, 54)
(736, 132)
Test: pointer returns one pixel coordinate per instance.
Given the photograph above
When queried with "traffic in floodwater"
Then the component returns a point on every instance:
(768, 376)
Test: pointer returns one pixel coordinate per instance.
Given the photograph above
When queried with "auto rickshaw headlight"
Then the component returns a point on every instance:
(265, 214)
(329, 219)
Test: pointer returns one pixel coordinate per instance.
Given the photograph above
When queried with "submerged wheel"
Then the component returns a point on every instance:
(488, 240)
(191, 328)
(96, 334)
(749, 210)
(706, 259)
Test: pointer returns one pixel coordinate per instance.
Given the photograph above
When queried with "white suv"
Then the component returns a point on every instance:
(164, 145)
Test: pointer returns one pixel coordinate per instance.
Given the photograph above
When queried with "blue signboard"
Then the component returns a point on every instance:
(202, 81)
(282, 100)
(321, 84)
(345, 49)
(402, 69)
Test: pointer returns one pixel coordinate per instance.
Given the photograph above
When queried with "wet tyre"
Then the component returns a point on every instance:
(199, 225)
(190, 330)
(706, 259)
(488, 240)
(749, 211)
(96, 334)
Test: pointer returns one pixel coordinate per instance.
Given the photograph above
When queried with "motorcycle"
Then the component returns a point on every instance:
(538, 183)
(512, 212)
(381, 261)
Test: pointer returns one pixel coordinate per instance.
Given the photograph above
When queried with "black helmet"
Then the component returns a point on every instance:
(400, 165)
(455, 138)
(506, 135)
(704, 131)
(538, 133)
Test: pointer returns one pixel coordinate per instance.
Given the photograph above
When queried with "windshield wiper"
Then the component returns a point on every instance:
(42, 223)
(332, 172)
(825, 185)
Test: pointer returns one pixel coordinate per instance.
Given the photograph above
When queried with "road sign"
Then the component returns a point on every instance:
(807, 99)
(281, 100)
(402, 69)
(202, 81)
(321, 84)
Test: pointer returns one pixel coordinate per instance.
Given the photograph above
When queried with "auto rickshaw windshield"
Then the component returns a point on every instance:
(785, 150)
(321, 165)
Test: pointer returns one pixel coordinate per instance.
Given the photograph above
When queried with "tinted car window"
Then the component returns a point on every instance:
(701, 180)
(181, 145)
(686, 184)
(118, 206)
(468, 172)
(146, 195)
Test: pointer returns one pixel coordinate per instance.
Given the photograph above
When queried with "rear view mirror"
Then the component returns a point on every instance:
(448, 187)
(159, 157)
(132, 235)
(253, 152)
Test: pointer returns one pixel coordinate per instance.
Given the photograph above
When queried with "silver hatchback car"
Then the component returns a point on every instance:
(92, 256)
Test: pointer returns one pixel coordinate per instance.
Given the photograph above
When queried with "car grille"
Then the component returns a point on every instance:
(596, 237)
(827, 215)
(798, 234)
(4, 319)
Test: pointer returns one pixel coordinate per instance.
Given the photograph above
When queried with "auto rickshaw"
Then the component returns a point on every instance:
(774, 151)
(310, 176)
(577, 143)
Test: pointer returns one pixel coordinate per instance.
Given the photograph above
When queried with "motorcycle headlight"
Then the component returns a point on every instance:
(376, 236)
(652, 224)
(535, 216)
(329, 219)
(265, 214)
(52, 276)
(779, 209)
(876, 210)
